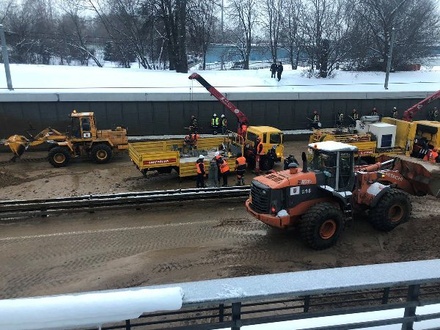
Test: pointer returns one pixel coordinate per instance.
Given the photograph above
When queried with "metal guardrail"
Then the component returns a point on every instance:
(401, 289)
(10, 209)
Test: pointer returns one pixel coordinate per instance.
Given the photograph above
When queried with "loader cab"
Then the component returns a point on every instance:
(334, 163)
(83, 125)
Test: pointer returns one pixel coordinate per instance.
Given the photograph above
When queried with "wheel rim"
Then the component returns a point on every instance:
(59, 158)
(395, 213)
(101, 155)
(328, 229)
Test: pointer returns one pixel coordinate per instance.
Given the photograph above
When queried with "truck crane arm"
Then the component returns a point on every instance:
(242, 119)
(408, 115)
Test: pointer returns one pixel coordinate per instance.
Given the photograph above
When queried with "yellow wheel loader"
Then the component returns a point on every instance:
(82, 139)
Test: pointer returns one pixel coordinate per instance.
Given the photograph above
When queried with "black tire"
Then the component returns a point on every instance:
(101, 153)
(393, 209)
(59, 156)
(321, 226)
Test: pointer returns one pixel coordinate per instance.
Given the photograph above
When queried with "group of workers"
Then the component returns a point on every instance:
(219, 170)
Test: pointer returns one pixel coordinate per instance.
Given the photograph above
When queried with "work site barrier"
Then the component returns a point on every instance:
(401, 295)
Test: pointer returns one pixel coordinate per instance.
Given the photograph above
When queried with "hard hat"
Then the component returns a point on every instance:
(217, 153)
(394, 108)
(223, 116)
(201, 157)
(215, 115)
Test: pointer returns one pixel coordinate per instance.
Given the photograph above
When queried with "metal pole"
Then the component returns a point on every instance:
(5, 58)
(223, 39)
(390, 57)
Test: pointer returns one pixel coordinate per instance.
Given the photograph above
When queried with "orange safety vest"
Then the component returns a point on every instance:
(241, 161)
(431, 156)
(224, 167)
(198, 167)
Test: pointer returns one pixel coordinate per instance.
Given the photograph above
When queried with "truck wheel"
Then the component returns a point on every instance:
(321, 226)
(101, 153)
(393, 209)
(59, 156)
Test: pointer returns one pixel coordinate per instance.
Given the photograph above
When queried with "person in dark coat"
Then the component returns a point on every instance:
(279, 71)
(200, 167)
(273, 70)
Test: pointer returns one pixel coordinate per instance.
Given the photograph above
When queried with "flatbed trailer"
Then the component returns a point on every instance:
(167, 155)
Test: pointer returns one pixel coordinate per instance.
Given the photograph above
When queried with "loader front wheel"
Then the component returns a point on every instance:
(101, 153)
(59, 156)
(321, 226)
(393, 209)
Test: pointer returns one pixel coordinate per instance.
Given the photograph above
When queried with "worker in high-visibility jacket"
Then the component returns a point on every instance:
(240, 168)
(223, 168)
(432, 155)
(259, 152)
(200, 167)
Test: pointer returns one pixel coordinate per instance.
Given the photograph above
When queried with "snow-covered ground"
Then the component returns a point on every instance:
(44, 78)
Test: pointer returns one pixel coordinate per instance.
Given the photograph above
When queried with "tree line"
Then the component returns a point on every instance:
(164, 34)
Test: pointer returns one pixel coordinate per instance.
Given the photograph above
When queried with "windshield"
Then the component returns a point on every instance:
(276, 138)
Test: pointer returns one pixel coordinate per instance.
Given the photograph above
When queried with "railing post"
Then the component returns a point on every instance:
(236, 316)
(410, 311)
(221, 311)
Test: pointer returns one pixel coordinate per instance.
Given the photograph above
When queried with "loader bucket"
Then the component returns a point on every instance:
(424, 176)
(17, 144)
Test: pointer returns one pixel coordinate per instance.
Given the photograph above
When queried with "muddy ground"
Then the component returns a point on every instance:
(169, 244)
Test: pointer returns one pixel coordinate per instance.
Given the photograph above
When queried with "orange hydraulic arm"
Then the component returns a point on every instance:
(408, 115)
(242, 119)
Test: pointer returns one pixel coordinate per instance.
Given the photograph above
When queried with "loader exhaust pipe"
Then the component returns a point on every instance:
(304, 160)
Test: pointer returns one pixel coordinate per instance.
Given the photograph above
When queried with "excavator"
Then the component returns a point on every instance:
(82, 139)
(330, 190)
(245, 139)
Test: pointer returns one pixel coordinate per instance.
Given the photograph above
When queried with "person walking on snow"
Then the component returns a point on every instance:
(279, 71)
(273, 70)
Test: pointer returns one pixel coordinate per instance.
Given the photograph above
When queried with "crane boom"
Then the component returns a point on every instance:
(242, 119)
(408, 115)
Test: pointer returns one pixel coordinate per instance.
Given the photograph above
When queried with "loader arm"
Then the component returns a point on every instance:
(19, 143)
(242, 119)
(409, 114)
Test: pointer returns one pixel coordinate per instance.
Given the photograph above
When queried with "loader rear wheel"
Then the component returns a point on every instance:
(321, 226)
(393, 209)
(101, 153)
(59, 156)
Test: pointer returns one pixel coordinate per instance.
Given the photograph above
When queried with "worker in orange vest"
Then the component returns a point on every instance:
(259, 151)
(223, 168)
(200, 167)
(240, 168)
(432, 155)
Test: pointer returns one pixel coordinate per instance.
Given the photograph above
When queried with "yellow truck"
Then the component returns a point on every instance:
(376, 137)
(167, 155)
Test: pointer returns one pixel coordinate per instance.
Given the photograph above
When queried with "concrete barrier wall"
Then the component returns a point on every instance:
(169, 113)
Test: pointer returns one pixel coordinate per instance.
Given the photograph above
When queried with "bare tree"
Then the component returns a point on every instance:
(325, 33)
(244, 15)
(290, 32)
(272, 18)
(75, 31)
(201, 20)
(414, 22)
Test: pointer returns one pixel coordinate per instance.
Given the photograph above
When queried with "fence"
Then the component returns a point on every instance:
(402, 295)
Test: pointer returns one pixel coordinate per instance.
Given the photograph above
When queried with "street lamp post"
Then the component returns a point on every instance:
(5, 58)
(223, 39)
